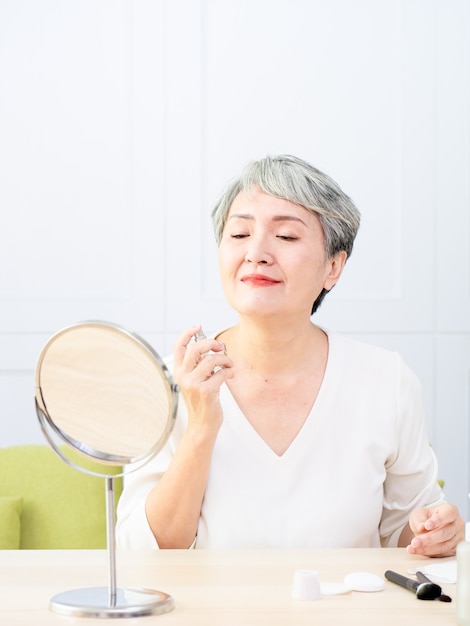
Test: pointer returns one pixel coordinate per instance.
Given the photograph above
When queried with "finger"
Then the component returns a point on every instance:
(181, 344)
(430, 518)
(441, 542)
(434, 549)
(211, 363)
(441, 515)
(207, 348)
(440, 535)
(418, 519)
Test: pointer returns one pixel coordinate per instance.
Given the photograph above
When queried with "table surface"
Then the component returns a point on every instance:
(223, 588)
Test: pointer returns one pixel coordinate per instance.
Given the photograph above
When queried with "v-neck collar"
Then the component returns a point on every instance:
(236, 420)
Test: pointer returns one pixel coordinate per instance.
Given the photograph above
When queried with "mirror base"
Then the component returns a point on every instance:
(96, 602)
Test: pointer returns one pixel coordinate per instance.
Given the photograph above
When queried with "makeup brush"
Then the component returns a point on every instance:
(424, 588)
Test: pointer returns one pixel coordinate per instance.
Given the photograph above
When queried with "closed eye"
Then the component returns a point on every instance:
(286, 238)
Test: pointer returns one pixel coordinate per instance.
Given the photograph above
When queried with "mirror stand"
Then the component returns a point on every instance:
(111, 601)
(89, 377)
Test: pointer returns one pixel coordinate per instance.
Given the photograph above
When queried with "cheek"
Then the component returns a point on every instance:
(228, 258)
(309, 275)
(226, 262)
(221, 257)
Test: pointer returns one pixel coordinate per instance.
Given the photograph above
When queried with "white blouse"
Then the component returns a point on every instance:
(358, 467)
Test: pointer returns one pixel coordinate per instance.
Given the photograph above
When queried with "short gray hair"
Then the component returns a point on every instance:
(290, 178)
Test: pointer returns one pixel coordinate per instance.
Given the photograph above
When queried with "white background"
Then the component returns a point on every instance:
(121, 120)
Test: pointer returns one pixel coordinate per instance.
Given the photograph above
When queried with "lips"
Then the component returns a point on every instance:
(259, 280)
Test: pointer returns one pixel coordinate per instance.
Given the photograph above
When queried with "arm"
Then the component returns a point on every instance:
(434, 527)
(173, 505)
(411, 468)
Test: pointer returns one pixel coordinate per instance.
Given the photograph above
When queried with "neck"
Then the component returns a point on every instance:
(274, 346)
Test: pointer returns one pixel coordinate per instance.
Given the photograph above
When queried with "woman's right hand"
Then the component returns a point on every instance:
(200, 368)
(173, 506)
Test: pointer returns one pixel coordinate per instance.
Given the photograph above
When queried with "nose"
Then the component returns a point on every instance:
(258, 251)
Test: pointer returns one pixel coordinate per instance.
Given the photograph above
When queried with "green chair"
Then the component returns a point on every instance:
(46, 504)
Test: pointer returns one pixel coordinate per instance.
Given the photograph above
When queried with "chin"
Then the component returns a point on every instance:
(258, 309)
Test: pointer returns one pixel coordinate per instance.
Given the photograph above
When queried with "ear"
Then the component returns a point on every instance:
(336, 265)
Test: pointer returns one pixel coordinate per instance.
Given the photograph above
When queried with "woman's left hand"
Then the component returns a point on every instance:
(437, 529)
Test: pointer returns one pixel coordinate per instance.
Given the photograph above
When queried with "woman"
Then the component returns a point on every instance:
(287, 435)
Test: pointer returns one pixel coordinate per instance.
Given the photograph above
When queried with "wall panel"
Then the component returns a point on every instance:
(453, 168)
(452, 398)
(113, 151)
(82, 178)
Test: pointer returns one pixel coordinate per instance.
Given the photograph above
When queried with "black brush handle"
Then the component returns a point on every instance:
(423, 578)
(403, 581)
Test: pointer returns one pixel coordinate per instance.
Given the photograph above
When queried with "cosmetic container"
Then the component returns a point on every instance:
(306, 585)
(463, 579)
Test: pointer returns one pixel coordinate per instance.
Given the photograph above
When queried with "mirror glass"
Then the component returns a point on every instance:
(106, 392)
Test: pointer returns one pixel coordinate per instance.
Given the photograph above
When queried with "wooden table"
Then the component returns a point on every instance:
(219, 588)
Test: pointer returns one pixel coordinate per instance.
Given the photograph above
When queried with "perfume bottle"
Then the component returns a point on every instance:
(199, 336)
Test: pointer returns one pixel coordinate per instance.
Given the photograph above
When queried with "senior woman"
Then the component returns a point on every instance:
(288, 435)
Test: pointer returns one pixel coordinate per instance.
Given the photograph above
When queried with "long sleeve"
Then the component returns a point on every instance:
(411, 480)
(132, 528)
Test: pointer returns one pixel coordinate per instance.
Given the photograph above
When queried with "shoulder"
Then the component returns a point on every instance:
(351, 347)
(362, 358)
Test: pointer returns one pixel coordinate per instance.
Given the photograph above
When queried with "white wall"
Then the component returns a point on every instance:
(120, 121)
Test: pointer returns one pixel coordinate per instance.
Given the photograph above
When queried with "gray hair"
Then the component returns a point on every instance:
(290, 178)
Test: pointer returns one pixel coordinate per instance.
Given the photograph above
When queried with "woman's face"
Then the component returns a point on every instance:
(272, 256)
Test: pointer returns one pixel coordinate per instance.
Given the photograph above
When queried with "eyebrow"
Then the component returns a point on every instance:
(276, 218)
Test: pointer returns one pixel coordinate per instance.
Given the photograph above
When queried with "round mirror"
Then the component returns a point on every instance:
(106, 392)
